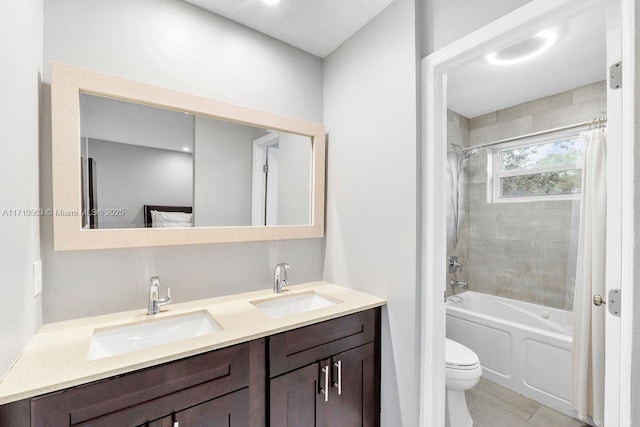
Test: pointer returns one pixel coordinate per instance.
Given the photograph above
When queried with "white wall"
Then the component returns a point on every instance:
(131, 176)
(21, 47)
(173, 44)
(445, 21)
(224, 159)
(294, 179)
(372, 233)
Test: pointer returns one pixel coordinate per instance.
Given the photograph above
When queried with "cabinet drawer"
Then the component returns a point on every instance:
(294, 349)
(130, 399)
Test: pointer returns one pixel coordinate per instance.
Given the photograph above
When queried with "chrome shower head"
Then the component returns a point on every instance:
(464, 156)
(469, 153)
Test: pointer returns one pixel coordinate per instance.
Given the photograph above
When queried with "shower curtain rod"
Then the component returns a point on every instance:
(597, 122)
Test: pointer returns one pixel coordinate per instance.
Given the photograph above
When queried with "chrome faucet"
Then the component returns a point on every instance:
(464, 285)
(154, 296)
(280, 277)
(453, 264)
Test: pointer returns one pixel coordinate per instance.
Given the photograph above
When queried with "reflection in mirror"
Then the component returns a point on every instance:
(144, 166)
(133, 155)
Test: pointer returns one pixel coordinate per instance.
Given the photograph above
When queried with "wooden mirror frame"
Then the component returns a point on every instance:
(68, 82)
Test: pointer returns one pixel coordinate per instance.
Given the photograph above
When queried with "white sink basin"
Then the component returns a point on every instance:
(123, 339)
(294, 304)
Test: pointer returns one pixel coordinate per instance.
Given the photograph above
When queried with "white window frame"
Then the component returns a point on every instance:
(494, 172)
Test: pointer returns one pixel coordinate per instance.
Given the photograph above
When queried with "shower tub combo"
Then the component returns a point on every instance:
(523, 347)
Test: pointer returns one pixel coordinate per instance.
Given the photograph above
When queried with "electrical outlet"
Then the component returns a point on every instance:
(37, 277)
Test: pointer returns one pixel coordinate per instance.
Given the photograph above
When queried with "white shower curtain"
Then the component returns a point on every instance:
(588, 320)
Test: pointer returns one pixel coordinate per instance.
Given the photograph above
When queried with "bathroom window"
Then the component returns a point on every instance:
(547, 169)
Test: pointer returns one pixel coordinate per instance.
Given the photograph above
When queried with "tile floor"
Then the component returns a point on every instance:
(491, 405)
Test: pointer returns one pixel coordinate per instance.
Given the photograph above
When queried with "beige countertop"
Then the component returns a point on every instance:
(56, 357)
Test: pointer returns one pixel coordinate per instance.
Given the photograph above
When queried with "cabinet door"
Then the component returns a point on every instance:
(231, 410)
(162, 422)
(297, 399)
(354, 394)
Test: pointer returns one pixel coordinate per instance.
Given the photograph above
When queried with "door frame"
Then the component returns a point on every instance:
(433, 163)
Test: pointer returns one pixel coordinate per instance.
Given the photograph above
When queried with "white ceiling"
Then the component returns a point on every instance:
(315, 26)
(578, 58)
(136, 124)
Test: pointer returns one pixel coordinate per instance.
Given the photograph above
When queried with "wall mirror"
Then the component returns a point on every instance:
(136, 165)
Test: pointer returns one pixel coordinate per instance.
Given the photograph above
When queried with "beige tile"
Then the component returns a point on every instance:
(477, 168)
(457, 130)
(505, 400)
(501, 130)
(484, 412)
(491, 405)
(507, 285)
(590, 92)
(584, 111)
(554, 298)
(533, 294)
(549, 258)
(482, 121)
(478, 197)
(484, 226)
(457, 135)
(547, 417)
(547, 103)
(469, 397)
(458, 119)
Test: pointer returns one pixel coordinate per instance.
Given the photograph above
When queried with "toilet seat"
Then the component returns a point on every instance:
(462, 366)
(457, 356)
(471, 374)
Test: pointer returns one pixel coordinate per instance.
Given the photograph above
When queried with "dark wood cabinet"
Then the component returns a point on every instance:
(340, 390)
(296, 398)
(231, 410)
(205, 387)
(326, 374)
(353, 398)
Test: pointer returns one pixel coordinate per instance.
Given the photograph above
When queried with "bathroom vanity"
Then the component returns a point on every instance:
(319, 366)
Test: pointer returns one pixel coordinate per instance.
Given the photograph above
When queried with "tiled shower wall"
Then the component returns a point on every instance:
(458, 132)
(525, 251)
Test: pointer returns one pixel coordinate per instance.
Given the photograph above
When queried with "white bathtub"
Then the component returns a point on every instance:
(521, 346)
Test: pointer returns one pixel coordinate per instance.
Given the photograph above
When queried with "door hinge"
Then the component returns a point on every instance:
(614, 302)
(615, 75)
(265, 168)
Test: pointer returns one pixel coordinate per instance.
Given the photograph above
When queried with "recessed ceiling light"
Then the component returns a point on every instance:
(271, 2)
(526, 49)
(186, 149)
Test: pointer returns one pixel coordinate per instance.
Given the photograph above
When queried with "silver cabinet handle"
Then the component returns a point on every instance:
(338, 384)
(598, 300)
(325, 389)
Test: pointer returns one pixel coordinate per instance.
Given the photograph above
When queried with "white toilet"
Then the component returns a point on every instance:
(462, 372)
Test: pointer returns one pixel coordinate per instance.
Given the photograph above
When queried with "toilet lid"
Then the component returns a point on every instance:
(458, 355)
